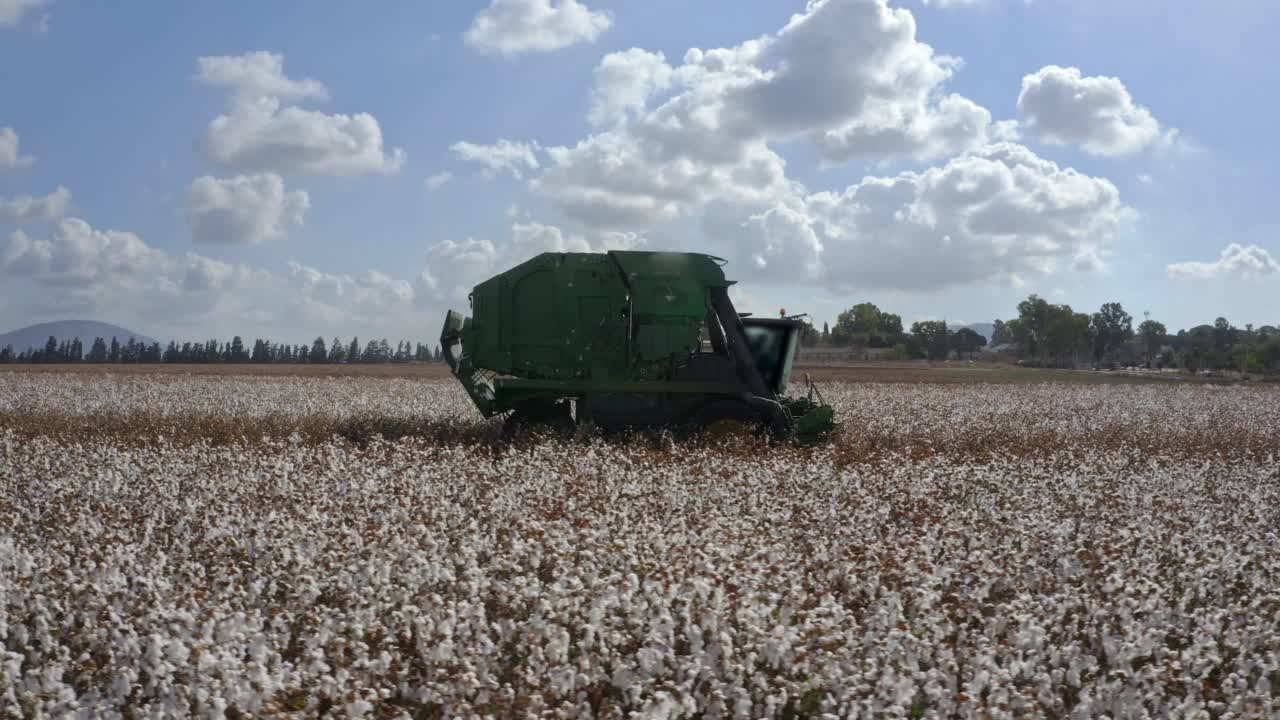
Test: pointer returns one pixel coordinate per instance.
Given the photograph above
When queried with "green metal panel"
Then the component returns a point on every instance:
(557, 316)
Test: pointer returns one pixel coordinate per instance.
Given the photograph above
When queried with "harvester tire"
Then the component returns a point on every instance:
(727, 414)
(541, 418)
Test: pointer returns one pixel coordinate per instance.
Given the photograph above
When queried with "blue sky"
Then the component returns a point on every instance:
(941, 159)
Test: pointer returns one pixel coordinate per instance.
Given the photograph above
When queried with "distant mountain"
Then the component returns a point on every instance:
(35, 336)
(986, 330)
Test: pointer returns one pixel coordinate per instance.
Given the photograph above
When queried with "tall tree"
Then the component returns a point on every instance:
(1223, 334)
(967, 342)
(318, 353)
(1034, 315)
(857, 325)
(353, 350)
(98, 352)
(931, 337)
(1111, 327)
(999, 333)
(337, 351)
(1152, 334)
(114, 355)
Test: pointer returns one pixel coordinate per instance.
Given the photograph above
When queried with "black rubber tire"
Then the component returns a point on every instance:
(731, 410)
(547, 418)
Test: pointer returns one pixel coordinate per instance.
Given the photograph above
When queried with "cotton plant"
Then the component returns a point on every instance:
(1005, 552)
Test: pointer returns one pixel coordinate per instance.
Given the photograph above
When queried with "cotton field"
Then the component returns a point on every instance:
(958, 551)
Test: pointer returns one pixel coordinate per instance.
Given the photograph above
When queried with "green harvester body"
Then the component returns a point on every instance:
(634, 339)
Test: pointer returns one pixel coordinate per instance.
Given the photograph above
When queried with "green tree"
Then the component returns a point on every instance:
(931, 338)
(1152, 334)
(857, 325)
(1067, 335)
(1033, 317)
(999, 333)
(1112, 327)
(967, 342)
(319, 354)
(889, 330)
(1223, 334)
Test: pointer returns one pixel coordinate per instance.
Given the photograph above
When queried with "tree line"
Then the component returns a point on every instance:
(1043, 334)
(866, 326)
(214, 351)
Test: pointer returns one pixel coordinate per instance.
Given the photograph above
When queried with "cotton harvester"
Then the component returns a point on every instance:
(626, 340)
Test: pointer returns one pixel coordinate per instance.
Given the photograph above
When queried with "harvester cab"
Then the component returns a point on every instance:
(626, 340)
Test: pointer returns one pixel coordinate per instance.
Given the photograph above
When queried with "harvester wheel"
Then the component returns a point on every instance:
(540, 418)
(727, 416)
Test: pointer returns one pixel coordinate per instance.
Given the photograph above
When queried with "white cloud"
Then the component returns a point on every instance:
(849, 75)
(243, 210)
(1235, 261)
(10, 157)
(509, 27)
(79, 255)
(624, 82)
(454, 267)
(438, 180)
(990, 215)
(366, 302)
(262, 133)
(504, 155)
(945, 4)
(11, 11)
(80, 270)
(1062, 106)
(26, 207)
(257, 75)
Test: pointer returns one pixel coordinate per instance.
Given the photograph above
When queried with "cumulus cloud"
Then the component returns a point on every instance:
(257, 75)
(365, 291)
(82, 269)
(454, 267)
(243, 210)
(10, 157)
(990, 215)
(11, 11)
(437, 180)
(78, 254)
(624, 82)
(109, 268)
(1062, 106)
(509, 27)
(23, 208)
(848, 75)
(1235, 261)
(502, 156)
(945, 4)
(262, 132)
